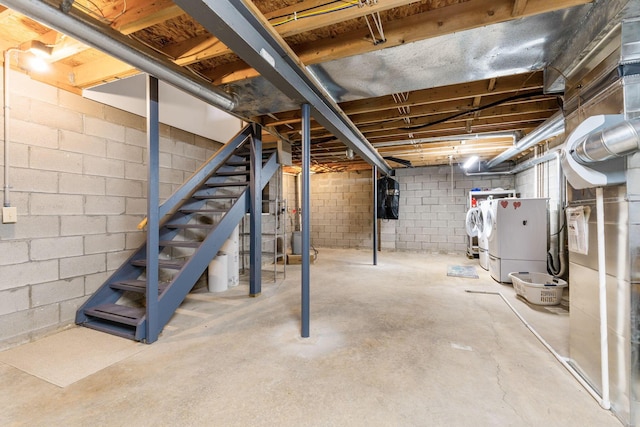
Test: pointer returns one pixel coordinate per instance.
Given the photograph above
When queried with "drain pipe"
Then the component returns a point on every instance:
(95, 34)
(553, 126)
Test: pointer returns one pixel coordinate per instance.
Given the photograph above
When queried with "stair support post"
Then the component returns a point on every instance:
(153, 217)
(306, 217)
(255, 229)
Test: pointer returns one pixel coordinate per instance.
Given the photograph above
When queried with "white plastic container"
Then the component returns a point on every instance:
(232, 249)
(217, 274)
(538, 288)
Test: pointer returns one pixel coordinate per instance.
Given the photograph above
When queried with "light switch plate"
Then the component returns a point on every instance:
(9, 215)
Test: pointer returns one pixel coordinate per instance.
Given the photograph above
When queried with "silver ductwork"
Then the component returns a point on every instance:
(593, 154)
(616, 141)
(553, 126)
(101, 37)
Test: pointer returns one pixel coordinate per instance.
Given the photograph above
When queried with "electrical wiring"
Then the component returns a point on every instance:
(99, 13)
(296, 16)
(473, 110)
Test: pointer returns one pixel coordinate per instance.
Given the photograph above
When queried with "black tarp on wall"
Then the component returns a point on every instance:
(388, 198)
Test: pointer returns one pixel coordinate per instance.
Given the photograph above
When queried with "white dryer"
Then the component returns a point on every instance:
(483, 240)
(517, 231)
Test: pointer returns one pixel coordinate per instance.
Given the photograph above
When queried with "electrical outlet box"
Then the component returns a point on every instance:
(9, 215)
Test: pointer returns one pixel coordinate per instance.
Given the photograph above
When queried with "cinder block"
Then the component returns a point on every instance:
(136, 206)
(44, 318)
(104, 205)
(78, 266)
(123, 223)
(171, 176)
(17, 275)
(165, 161)
(19, 155)
(34, 134)
(75, 102)
(36, 90)
(134, 240)
(13, 300)
(58, 291)
(183, 163)
(92, 282)
(80, 143)
(81, 184)
(55, 116)
(68, 309)
(103, 167)
(169, 146)
(54, 160)
(130, 153)
(100, 243)
(124, 118)
(124, 187)
(116, 259)
(136, 137)
(33, 180)
(56, 204)
(103, 129)
(135, 171)
(195, 152)
(82, 224)
(58, 247)
(13, 252)
(30, 226)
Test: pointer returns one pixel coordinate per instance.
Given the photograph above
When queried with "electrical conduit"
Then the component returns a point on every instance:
(602, 287)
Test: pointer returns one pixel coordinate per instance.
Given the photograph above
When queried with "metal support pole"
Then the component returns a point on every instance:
(374, 173)
(306, 226)
(153, 219)
(255, 228)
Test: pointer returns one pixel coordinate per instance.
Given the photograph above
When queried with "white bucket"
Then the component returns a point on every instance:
(232, 248)
(217, 274)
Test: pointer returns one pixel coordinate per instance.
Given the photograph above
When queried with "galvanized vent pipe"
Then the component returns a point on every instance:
(616, 141)
(553, 126)
(99, 36)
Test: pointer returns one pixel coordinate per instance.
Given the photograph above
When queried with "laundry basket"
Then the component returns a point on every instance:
(538, 288)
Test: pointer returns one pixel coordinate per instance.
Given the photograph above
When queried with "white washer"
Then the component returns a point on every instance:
(483, 240)
(517, 231)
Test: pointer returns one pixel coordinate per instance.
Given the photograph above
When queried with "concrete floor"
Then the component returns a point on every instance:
(398, 344)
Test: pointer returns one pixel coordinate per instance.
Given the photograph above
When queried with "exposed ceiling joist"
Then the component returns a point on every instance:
(240, 28)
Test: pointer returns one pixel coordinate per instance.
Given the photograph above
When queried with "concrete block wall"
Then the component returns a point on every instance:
(78, 181)
(431, 218)
(341, 209)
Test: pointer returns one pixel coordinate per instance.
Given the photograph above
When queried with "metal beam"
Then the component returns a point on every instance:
(239, 27)
(306, 217)
(153, 217)
(94, 33)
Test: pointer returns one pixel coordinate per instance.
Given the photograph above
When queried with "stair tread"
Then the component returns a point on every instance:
(204, 210)
(117, 313)
(238, 163)
(227, 184)
(185, 226)
(180, 243)
(136, 286)
(123, 331)
(163, 263)
(233, 173)
(216, 196)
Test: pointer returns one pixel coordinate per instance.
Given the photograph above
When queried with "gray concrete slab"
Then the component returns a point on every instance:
(395, 344)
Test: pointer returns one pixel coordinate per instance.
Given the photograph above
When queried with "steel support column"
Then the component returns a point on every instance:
(236, 24)
(153, 218)
(306, 217)
(255, 189)
(374, 176)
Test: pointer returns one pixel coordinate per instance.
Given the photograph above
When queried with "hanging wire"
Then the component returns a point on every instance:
(377, 21)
